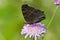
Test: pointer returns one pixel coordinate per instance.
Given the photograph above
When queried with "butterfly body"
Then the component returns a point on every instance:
(32, 15)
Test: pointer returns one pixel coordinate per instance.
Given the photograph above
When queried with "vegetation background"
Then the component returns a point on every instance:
(12, 20)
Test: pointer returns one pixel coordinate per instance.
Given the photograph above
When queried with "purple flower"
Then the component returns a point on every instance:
(57, 2)
(33, 30)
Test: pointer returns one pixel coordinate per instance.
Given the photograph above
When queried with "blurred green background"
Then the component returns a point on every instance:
(12, 20)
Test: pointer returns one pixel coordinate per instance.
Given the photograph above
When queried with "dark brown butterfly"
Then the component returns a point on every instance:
(32, 15)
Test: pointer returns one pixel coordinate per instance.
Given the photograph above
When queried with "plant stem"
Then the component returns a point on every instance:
(35, 38)
(52, 17)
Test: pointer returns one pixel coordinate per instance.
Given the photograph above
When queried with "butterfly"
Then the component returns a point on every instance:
(32, 15)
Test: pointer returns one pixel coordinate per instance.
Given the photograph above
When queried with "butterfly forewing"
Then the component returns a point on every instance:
(32, 15)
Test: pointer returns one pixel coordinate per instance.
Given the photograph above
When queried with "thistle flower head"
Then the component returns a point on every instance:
(33, 30)
(57, 2)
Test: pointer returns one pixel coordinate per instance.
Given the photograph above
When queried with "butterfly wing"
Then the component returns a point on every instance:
(32, 15)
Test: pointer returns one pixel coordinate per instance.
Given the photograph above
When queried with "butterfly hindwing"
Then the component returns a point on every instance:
(32, 15)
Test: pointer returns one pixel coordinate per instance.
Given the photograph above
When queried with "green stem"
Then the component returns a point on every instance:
(52, 16)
